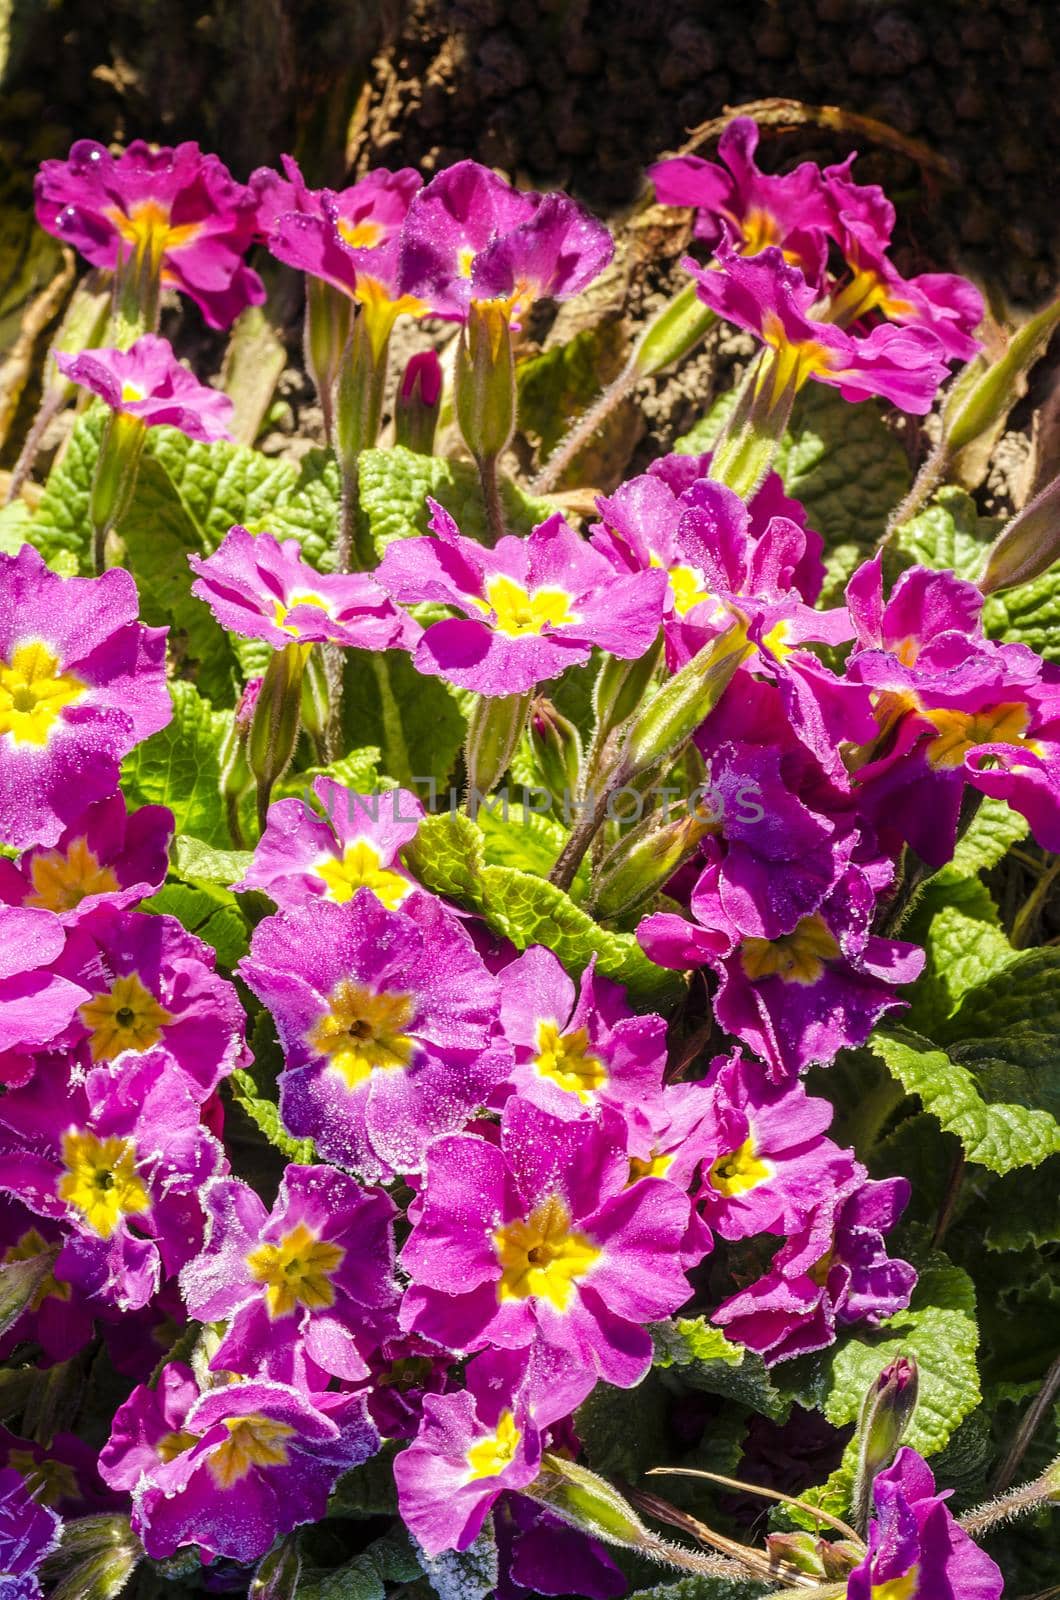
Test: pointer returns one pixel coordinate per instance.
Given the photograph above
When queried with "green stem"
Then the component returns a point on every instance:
(491, 495)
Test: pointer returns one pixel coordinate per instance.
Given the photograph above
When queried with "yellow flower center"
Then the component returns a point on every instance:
(253, 1441)
(518, 612)
(124, 1017)
(281, 611)
(759, 228)
(33, 693)
(465, 260)
(363, 235)
(776, 639)
(61, 881)
(489, 1457)
(653, 1166)
(48, 1481)
(960, 731)
(818, 1273)
(542, 1257)
(32, 1244)
(362, 1031)
(147, 228)
(101, 1180)
(865, 292)
(564, 1058)
(797, 957)
(172, 1445)
(795, 361)
(739, 1170)
(359, 868)
(297, 1270)
(903, 1588)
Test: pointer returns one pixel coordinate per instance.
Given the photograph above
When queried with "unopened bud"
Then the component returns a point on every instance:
(484, 380)
(885, 1413)
(20, 1282)
(359, 393)
(983, 396)
(276, 720)
(278, 1575)
(419, 400)
(620, 687)
(676, 710)
(316, 701)
(328, 314)
(588, 1503)
(1027, 546)
(798, 1550)
(651, 853)
(557, 750)
(96, 1559)
(672, 332)
(493, 731)
(114, 480)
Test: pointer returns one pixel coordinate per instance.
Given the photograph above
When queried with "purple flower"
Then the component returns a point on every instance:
(121, 1161)
(471, 1447)
(28, 1533)
(148, 382)
(832, 1270)
(578, 1049)
(37, 1002)
(62, 1475)
(150, 983)
(56, 1317)
(542, 1241)
(532, 607)
(81, 682)
(258, 586)
(350, 238)
(774, 301)
(765, 1152)
(303, 856)
(539, 1554)
(791, 211)
(404, 1370)
(105, 856)
(469, 236)
(179, 207)
(917, 1551)
(233, 1467)
(305, 1281)
(387, 1020)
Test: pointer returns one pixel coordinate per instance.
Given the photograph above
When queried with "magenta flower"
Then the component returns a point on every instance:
(259, 586)
(81, 682)
(388, 1022)
(765, 1152)
(542, 1241)
(303, 856)
(470, 1448)
(37, 1001)
(56, 1317)
(304, 1282)
(106, 856)
(28, 1533)
(148, 382)
(150, 983)
(231, 1468)
(121, 1161)
(832, 1270)
(404, 1370)
(61, 1475)
(469, 236)
(174, 206)
(531, 607)
(791, 211)
(577, 1050)
(540, 1555)
(774, 301)
(916, 1548)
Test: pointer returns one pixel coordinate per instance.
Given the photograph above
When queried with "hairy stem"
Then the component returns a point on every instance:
(1028, 1428)
(491, 495)
(575, 441)
(925, 482)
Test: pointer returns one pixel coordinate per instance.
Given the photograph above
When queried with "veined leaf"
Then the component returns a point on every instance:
(178, 767)
(395, 483)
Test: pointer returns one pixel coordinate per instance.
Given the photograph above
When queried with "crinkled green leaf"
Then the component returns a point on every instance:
(389, 1559)
(60, 522)
(997, 1134)
(469, 1574)
(687, 1341)
(395, 483)
(1024, 1209)
(522, 838)
(948, 532)
(415, 721)
(308, 509)
(254, 1088)
(993, 830)
(696, 1587)
(1007, 1031)
(447, 855)
(358, 770)
(210, 913)
(705, 1359)
(624, 1431)
(368, 1490)
(220, 484)
(958, 926)
(191, 858)
(178, 767)
(16, 525)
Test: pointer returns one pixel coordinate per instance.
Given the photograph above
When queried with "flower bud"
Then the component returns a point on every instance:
(749, 441)
(798, 1550)
(316, 703)
(96, 1559)
(557, 749)
(493, 731)
(588, 1503)
(419, 400)
(885, 1413)
(359, 393)
(1027, 546)
(649, 854)
(278, 1575)
(328, 313)
(276, 720)
(672, 332)
(620, 686)
(114, 479)
(484, 380)
(982, 398)
(676, 710)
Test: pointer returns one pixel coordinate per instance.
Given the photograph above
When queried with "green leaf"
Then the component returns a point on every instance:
(465, 1574)
(178, 767)
(220, 484)
(556, 386)
(358, 770)
(308, 510)
(1024, 1210)
(625, 1431)
(997, 1134)
(389, 1559)
(368, 1490)
(965, 944)
(207, 911)
(526, 839)
(705, 1359)
(60, 522)
(447, 855)
(841, 461)
(16, 527)
(254, 1088)
(700, 1588)
(395, 483)
(993, 830)
(415, 721)
(192, 859)
(948, 533)
(1007, 1030)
